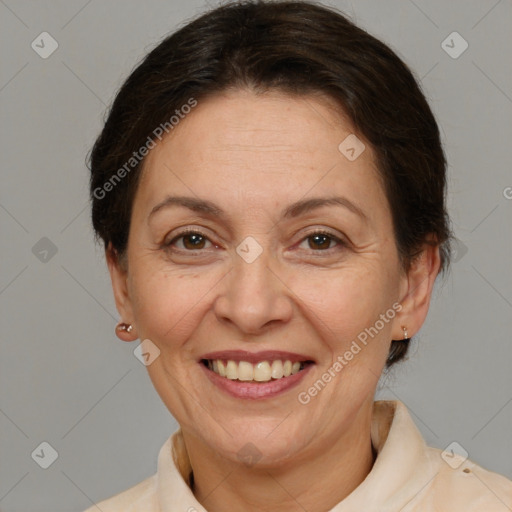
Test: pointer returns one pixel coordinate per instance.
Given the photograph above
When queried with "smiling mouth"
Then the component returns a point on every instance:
(263, 371)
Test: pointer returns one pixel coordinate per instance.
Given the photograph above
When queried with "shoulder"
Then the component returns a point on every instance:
(139, 498)
(466, 486)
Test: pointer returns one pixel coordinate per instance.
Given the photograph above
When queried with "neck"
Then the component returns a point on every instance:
(315, 483)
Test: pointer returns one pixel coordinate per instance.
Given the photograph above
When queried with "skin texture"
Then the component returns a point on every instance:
(253, 155)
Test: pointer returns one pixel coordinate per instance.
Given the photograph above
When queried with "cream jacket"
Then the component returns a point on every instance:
(407, 476)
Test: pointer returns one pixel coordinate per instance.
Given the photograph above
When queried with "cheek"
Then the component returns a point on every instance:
(167, 302)
(343, 303)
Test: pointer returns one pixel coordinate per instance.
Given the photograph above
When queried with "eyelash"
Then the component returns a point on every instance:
(341, 243)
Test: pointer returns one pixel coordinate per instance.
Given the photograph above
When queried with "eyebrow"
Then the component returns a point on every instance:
(300, 207)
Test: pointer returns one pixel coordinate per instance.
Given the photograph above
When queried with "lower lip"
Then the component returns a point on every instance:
(255, 390)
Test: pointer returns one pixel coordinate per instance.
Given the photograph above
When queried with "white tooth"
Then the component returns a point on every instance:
(245, 371)
(221, 367)
(277, 369)
(215, 366)
(295, 367)
(262, 372)
(231, 370)
(287, 368)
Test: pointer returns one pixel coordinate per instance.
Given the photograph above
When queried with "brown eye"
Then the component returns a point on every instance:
(319, 241)
(191, 241)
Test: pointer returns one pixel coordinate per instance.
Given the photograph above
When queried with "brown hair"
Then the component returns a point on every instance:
(299, 48)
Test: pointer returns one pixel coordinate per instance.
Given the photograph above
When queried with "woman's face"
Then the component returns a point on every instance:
(253, 283)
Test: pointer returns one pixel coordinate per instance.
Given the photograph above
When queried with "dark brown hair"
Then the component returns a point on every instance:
(299, 48)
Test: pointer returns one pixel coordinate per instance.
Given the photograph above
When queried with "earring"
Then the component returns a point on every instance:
(124, 327)
(406, 336)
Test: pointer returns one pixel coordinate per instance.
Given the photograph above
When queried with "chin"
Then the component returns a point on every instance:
(258, 444)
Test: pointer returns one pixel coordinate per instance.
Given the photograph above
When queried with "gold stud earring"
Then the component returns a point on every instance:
(124, 327)
(406, 335)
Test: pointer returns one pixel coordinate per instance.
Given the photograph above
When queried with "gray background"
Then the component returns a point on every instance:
(67, 380)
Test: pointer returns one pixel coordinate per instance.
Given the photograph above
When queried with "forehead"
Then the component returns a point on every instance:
(240, 121)
(270, 147)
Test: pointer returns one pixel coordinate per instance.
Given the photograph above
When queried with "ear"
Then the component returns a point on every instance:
(416, 291)
(119, 277)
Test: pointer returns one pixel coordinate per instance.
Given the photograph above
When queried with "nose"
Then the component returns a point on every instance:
(253, 296)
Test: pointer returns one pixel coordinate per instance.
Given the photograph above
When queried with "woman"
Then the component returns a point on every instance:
(270, 190)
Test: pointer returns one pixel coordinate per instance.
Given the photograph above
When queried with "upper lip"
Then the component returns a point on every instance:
(256, 357)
